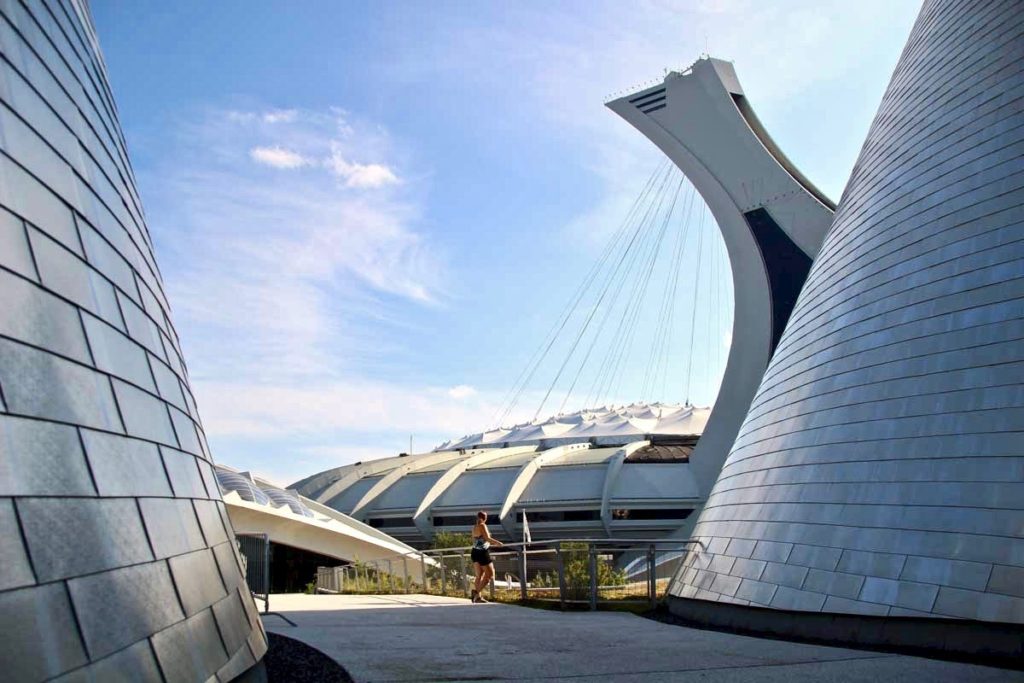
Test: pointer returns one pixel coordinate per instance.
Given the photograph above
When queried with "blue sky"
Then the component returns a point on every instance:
(368, 215)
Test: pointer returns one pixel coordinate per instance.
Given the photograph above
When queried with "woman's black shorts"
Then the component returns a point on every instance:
(481, 556)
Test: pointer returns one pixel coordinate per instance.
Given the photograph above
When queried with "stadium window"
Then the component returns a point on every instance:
(650, 513)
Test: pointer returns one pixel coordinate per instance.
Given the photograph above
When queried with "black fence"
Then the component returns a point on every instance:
(255, 552)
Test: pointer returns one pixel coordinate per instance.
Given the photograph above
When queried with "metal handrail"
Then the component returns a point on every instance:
(434, 566)
(557, 541)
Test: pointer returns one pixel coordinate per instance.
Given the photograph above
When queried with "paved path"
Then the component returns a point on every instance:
(429, 638)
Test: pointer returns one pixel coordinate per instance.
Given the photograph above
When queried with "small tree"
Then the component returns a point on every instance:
(576, 566)
(451, 539)
(450, 565)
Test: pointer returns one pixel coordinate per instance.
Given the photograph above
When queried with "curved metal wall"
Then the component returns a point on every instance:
(880, 469)
(118, 559)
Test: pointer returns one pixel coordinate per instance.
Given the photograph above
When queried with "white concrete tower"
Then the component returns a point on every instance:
(773, 221)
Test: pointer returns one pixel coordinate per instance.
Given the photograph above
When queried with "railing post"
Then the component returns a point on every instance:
(652, 579)
(592, 556)
(405, 574)
(522, 574)
(376, 568)
(444, 576)
(391, 578)
(266, 572)
(423, 575)
(561, 575)
(462, 574)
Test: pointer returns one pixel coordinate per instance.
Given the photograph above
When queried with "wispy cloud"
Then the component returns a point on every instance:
(360, 175)
(280, 115)
(461, 391)
(280, 276)
(242, 409)
(278, 157)
(353, 174)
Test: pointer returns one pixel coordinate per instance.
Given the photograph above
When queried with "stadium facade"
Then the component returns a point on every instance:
(118, 558)
(610, 472)
(879, 473)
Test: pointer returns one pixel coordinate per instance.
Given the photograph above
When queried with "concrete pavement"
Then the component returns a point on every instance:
(429, 638)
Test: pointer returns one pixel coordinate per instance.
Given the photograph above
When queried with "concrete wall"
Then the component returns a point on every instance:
(117, 554)
(880, 470)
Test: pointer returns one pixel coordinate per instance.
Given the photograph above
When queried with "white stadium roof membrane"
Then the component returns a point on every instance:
(610, 422)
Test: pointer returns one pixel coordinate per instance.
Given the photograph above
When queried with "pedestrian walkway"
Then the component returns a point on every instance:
(430, 638)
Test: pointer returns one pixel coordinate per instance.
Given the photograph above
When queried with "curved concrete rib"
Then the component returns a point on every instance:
(772, 221)
(611, 475)
(358, 472)
(391, 478)
(524, 477)
(420, 518)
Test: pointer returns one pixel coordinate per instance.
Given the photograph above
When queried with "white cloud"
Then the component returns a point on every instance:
(242, 408)
(280, 116)
(353, 174)
(461, 391)
(278, 157)
(287, 278)
(359, 175)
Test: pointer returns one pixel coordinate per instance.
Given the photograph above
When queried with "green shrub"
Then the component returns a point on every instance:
(576, 564)
(451, 539)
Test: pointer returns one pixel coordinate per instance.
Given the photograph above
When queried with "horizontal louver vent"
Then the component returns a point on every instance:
(649, 102)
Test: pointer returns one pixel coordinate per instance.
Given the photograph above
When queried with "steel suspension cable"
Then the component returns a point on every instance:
(628, 326)
(666, 314)
(666, 350)
(614, 354)
(590, 317)
(653, 251)
(526, 375)
(649, 218)
(696, 296)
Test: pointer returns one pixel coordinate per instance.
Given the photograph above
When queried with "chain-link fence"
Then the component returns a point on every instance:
(593, 572)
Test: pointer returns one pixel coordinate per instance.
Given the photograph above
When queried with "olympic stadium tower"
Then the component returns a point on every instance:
(771, 217)
(117, 559)
(879, 474)
(643, 470)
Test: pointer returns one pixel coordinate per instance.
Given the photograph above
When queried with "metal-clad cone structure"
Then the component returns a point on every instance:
(880, 470)
(117, 559)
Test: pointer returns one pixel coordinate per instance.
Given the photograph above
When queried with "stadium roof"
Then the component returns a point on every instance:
(628, 423)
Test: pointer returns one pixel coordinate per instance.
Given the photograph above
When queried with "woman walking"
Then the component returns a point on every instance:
(481, 556)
